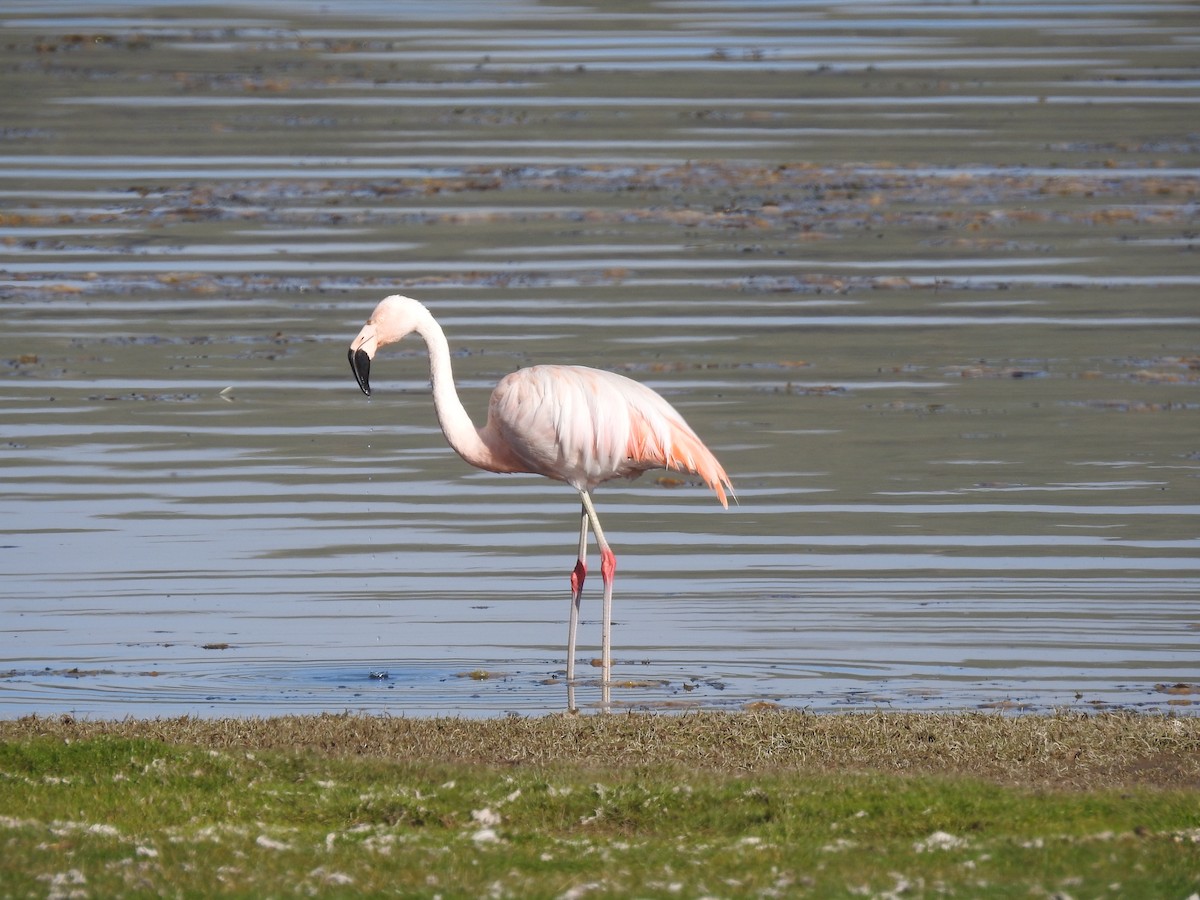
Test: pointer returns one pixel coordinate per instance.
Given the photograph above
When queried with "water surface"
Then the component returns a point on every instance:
(924, 278)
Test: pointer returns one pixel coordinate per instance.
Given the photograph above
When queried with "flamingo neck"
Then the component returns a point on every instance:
(456, 424)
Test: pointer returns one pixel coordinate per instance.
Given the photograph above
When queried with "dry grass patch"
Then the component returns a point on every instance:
(1065, 750)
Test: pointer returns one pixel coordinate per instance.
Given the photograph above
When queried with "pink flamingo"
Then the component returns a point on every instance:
(570, 423)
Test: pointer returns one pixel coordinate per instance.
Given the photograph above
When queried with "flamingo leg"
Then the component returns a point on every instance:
(577, 577)
(608, 567)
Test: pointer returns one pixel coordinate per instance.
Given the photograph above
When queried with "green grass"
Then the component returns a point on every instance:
(718, 805)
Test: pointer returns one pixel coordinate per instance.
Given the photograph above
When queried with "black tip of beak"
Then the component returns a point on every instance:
(360, 365)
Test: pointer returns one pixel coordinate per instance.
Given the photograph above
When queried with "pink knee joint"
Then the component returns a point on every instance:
(608, 565)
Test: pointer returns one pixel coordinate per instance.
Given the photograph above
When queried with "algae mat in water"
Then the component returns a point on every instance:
(753, 804)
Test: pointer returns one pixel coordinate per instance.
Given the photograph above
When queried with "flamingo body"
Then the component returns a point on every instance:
(574, 424)
(587, 426)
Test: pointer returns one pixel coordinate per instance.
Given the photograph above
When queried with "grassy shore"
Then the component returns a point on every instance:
(766, 803)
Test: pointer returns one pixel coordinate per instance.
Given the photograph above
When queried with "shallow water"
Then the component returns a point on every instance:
(924, 278)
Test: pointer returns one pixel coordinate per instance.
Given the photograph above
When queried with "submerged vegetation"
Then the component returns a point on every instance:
(752, 804)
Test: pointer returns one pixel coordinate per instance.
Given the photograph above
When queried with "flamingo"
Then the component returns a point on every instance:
(574, 424)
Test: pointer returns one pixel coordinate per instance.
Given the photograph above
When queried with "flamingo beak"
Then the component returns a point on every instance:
(360, 364)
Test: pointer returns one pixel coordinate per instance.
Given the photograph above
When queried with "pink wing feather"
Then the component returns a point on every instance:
(586, 426)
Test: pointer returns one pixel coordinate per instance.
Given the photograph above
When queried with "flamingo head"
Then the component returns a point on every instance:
(392, 319)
